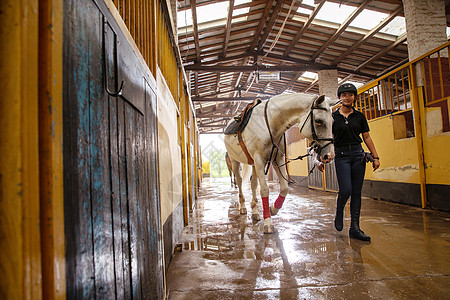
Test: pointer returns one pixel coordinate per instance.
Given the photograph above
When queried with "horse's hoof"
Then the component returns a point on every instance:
(273, 210)
(256, 217)
(269, 229)
(243, 211)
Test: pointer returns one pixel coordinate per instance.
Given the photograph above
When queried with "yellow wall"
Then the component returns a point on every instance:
(206, 167)
(399, 160)
(298, 167)
(436, 149)
(170, 181)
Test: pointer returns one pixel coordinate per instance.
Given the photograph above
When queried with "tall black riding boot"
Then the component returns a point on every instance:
(339, 219)
(355, 231)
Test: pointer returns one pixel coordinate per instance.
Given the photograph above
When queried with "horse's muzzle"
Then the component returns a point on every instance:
(327, 157)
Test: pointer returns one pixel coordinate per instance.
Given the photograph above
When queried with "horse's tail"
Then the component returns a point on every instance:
(246, 172)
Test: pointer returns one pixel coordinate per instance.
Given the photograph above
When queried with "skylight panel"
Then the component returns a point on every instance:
(309, 2)
(368, 19)
(212, 12)
(184, 18)
(304, 11)
(333, 12)
(396, 27)
(207, 13)
(308, 76)
(241, 11)
(211, 15)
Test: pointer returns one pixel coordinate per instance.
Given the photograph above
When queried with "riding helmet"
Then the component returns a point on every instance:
(347, 87)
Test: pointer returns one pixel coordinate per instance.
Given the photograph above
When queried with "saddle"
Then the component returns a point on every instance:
(238, 125)
(239, 122)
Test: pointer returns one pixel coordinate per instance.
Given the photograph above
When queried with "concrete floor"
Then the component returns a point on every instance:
(227, 256)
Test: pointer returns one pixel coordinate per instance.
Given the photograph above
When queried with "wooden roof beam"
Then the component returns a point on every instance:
(269, 25)
(400, 40)
(371, 33)
(216, 99)
(228, 28)
(302, 31)
(225, 69)
(260, 27)
(341, 29)
(195, 27)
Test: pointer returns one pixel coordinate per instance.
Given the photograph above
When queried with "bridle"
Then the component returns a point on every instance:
(315, 145)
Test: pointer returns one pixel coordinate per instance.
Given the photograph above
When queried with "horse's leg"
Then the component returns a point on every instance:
(255, 211)
(264, 191)
(237, 175)
(284, 188)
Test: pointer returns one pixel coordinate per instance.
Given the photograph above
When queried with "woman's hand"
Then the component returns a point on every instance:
(320, 167)
(376, 164)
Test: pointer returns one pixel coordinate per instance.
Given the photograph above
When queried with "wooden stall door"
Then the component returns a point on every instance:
(111, 195)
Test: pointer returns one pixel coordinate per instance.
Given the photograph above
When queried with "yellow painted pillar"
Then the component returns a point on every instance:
(420, 132)
(184, 158)
(153, 36)
(20, 255)
(50, 148)
(189, 159)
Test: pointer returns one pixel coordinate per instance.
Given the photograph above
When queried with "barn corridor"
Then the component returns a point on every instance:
(226, 256)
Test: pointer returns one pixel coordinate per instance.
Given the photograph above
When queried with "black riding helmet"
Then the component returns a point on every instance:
(347, 87)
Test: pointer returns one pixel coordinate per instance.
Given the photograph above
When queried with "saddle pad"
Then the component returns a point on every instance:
(238, 126)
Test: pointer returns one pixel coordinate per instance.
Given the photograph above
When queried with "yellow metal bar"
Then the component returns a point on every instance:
(378, 98)
(390, 94)
(410, 83)
(386, 96)
(403, 89)
(422, 67)
(419, 123)
(448, 57)
(50, 148)
(441, 81)
(375, 103)
(439, 100)
(20, 254)
(431, 80)
(396, 91)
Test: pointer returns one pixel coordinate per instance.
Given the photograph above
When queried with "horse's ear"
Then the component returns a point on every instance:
(319, 100)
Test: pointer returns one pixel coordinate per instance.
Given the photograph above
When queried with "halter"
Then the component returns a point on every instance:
(315, 143)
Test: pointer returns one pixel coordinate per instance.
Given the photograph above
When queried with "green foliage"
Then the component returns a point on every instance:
(218, 165)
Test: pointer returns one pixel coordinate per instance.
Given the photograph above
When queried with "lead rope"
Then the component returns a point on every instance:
(276, 147)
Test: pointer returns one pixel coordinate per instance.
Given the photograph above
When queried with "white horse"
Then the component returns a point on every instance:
(262, 139)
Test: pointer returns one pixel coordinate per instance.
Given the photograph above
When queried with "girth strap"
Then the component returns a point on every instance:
(241, 142)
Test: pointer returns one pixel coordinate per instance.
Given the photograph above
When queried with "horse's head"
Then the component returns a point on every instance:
(317, 128)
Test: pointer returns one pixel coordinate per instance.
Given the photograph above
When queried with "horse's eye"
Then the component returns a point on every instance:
(319, 122)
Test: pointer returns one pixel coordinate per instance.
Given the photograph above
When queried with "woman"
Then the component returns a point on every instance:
(348, 125)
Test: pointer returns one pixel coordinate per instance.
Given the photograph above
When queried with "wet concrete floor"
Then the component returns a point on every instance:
(226, 255)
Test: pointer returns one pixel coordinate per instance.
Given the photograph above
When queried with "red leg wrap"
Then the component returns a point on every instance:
(266, 212)
(279, 202)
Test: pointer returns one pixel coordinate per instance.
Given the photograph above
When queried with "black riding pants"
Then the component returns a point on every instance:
(350, 172)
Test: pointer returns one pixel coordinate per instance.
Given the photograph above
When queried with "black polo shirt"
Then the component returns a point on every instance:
(347, 131)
